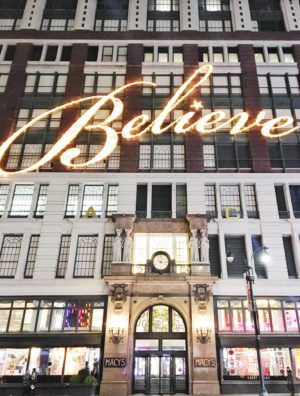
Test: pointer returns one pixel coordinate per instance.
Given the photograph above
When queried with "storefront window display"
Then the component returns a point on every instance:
(242, 362)
(47, 361)
(13, 361)
(297, 362)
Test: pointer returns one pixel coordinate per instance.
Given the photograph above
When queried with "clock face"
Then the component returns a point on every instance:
(161, 261)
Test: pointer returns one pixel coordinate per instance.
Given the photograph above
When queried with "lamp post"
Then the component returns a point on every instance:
(264, 258)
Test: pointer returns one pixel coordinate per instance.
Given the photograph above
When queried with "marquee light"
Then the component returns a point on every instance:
(138, 126)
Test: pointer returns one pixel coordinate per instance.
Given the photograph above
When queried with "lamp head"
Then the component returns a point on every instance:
(264, 256)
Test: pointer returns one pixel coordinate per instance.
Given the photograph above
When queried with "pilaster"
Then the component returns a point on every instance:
(137, 15)
(85, 15)
(240, 14)
(291, 14)
(189, 15)
(33, 14)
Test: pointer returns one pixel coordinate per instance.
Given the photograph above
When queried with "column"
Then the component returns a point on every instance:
(189, 15)
(194, 142)
(240, 14)
(11, 100)
(252, 103)
(85, 15)
(291, 14)
(137, 15)
(74, 90)
(132, 106)
(33, 14)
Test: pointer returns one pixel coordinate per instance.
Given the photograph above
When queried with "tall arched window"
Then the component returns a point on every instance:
(160, 349)
(9, 257)
(86, 256)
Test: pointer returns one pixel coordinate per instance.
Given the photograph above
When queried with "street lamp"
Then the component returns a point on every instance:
(264, 258)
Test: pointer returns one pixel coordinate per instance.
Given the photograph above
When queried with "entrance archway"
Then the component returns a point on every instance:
(160, 352)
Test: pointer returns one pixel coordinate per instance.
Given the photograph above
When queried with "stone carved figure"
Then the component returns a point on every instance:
(117, 252)
(204, 247)
(194, 247)
(127, 247)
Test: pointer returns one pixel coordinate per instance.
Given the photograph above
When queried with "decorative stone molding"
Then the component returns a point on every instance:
(202, 294)
(198, 221)
(124, 221)
(119, 293)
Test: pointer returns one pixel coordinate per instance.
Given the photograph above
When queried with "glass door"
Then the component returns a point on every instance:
(160, 375)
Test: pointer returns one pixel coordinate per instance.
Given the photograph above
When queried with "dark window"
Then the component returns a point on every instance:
(260, 269)
(281, 203)
(203, 54)
(266, 15)
(161, 201)
(295, 197)
(66, 54)
(51, 53)
(111, 15)
(107, 254)
(141, 200)
(181, 201)
(85, 256)
(214, 255)
(12, 4)
(31, 256)
(289, 256)
(92, 55)
(63, 257)
(10, 53)
(9, 257)
(36, 53)
(236, 245)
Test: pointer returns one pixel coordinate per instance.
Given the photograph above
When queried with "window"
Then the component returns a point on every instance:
(209, 156)
(215, 25)
(162, 319)
(51, 53)
(36, 53)
(63, 257)
(236, 245)
(86, 256)
(58, 24)
(218, 55)
(122, 54)
(288, 55)
(281, 203)
(22, 199)
(250, 202)
(230, 201)
(233, 56)
(163, 54)
(214, 255)
(92, 200)
(41, 201)
(10, 53)
(289, 256)
(162, 156)
(107, 254)
(210, 201)
(259, 55)
(163, 15)
(107, 54)
(177, 55)
(51, 315)
(112, 200)
(9, 257)
(181, 201)
(31, 256)
(266, 15)
(214, 5)
(148, 54)
(72, 200)
(260, 269)
(273, 55)
(111, 15)
(92, 55)
(66, 53)
(161, 201)
(295, 197)
(141, 200)
(3, 197)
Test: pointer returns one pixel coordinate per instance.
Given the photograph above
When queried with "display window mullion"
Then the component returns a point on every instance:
(9, 317)
(23, 317)
(37, 316)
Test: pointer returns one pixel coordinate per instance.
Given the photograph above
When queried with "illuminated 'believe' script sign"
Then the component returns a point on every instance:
(142, 124)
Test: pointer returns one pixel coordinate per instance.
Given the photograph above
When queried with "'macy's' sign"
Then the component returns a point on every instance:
(138, 126)
(112, 362)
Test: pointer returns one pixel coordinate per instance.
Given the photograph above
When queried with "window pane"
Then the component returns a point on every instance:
(30, 320)
(177, 323)
(275, 361)
(57, 319)
(173, 345)
(146, 345)
(15, 361)
(4, 314)
(16, 320)
(143, 323)
(97, 320)
(160, 319)
(92, 198)
(240, 361)
(22, 199)
(44, 320)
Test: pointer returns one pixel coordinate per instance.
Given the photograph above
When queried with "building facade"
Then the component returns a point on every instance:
(123, 262)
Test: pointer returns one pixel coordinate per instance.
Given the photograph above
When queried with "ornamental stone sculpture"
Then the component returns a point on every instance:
(204, 247)
(127, 247)
(117, 252)
(194, 247)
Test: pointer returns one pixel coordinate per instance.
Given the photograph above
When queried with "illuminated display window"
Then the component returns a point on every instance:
(275, 315)
(42, 316)
(85, 260)
(47, 361)
(9, 256)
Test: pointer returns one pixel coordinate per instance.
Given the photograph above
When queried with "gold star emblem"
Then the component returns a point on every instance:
(197, 105)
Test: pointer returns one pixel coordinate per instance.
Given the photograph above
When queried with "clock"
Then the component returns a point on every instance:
(161, 261)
